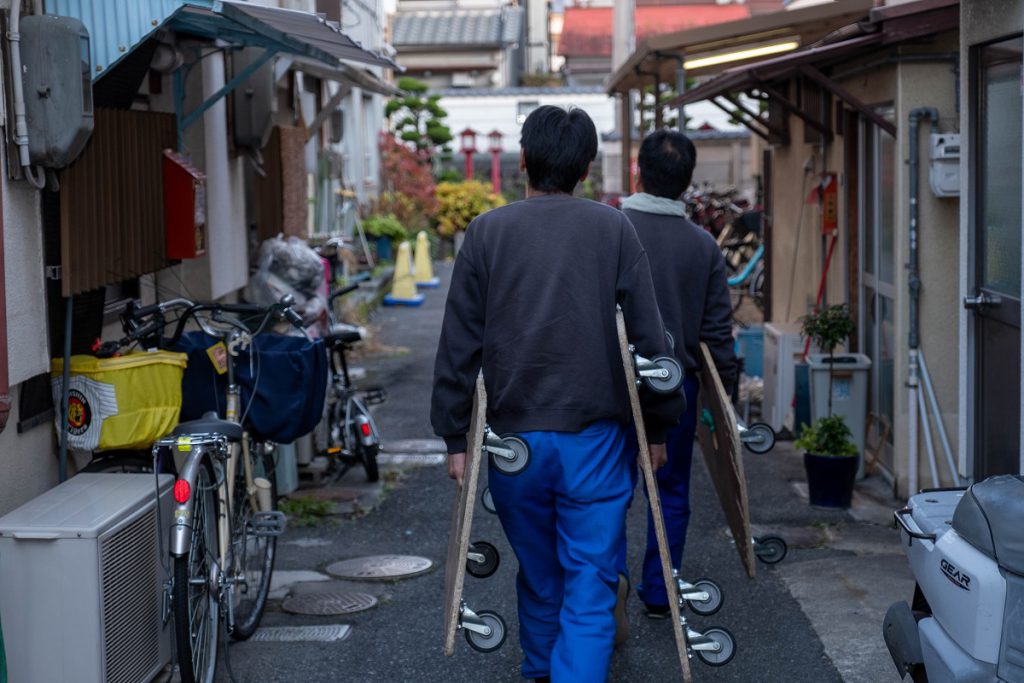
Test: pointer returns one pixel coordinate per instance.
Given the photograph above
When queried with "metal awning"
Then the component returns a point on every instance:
(345, 74)
(659, 57)
(116, 27)
(288, 31)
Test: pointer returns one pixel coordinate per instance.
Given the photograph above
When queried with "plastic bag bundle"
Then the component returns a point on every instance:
(288, 266)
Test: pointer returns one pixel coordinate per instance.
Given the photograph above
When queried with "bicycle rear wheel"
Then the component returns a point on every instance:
(195, 600)
(252, 555)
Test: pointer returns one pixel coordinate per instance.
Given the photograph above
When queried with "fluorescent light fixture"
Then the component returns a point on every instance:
(740, 55)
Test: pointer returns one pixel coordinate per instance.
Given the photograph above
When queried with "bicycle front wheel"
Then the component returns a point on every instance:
(252, 555)
(196, 613)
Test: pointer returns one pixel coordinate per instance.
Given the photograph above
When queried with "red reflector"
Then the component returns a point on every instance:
(182, 491)
(365, 428)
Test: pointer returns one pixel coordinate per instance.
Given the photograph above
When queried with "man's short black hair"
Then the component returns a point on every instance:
(666, 162)
(559, 146)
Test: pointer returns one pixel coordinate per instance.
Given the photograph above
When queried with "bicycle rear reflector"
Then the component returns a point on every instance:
(365, 428)
(182, 491)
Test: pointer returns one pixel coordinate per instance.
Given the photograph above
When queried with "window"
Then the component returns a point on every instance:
(524, 109)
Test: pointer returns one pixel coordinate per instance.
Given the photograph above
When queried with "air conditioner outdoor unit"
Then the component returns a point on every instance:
(81, 582)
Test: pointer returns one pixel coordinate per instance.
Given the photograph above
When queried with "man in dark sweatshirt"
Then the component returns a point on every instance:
(693, 296)
(532, 303)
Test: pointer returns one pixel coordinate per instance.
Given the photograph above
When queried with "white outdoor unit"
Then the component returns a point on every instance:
(81, 582)
(783, 348)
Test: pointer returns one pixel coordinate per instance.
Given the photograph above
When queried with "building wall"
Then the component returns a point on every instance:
(28, 466)
(981, 21)
(798, 249)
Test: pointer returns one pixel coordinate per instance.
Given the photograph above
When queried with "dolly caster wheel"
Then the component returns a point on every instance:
(510, 455)
(705, 607)
(487, 500)
(668, 384)
(482, 560)
(770, 549)
(489, 635)
(759, 438)
(718, 648)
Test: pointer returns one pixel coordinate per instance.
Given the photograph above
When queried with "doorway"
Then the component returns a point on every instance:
(995, 287)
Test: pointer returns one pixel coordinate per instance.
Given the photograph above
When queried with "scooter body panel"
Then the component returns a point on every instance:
(946, 662)
(964, 588)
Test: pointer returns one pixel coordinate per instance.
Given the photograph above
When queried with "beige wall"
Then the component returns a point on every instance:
(798, 250)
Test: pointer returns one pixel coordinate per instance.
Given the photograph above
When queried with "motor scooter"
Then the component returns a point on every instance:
(966, 621)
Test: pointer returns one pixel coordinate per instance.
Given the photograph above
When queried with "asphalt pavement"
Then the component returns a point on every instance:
(815, 617)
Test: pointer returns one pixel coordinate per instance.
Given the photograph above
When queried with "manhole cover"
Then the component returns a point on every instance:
(291, 634)
(323, 604)
(380, 567)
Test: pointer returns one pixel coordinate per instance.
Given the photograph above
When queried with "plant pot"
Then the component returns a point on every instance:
(830, 479)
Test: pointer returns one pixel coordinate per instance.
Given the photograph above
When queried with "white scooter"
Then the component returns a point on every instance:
(966, 549)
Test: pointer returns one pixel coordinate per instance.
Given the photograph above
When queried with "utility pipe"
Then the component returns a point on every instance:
(946, 448)
(17, 89)
(929, 445)
(914, 285)
(5, 377)
(65, 391)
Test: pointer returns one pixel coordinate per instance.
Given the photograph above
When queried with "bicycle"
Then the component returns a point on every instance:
(223, 536)
(352, 436)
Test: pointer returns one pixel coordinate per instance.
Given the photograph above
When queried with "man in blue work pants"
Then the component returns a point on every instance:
(532, 304)
(693, 296)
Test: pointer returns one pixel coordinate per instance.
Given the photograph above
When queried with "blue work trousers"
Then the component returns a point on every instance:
(564, 516)
(674, 491)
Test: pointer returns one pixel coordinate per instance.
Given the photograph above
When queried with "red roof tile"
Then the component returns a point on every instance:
(587, 31)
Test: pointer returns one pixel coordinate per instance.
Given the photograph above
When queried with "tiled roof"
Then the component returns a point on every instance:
(587, 31)
(505, 92)
(461, 27)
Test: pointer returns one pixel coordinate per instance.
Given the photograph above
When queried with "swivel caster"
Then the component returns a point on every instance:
(487, 500)
(704, 596)
(509, 454)
(661, 374)
(770, 549)
(715, 646)
(485, 632)
(482, 560)
(758, 437)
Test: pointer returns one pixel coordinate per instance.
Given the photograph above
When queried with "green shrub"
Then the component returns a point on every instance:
(385, 226)
(827, 436)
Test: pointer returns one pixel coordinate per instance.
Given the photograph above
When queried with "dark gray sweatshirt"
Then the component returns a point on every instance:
(693, 290)
(532, 301)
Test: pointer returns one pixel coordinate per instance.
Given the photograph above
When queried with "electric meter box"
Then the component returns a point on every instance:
(57, 80)
(944, 168)
(184, 207)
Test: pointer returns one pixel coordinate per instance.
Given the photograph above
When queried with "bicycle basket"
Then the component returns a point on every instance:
(283, 384)
(124, 402)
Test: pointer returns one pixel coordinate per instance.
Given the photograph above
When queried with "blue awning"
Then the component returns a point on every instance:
(116, 27)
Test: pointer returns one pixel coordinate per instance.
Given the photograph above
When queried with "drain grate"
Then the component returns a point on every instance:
(292, 634)
(381, 567)
(325, 604)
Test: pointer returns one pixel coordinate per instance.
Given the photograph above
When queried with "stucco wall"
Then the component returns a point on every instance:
(798, 250)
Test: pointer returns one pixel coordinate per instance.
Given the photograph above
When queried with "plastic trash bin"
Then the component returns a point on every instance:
(750, 345)
(849, 391)
(286, 469)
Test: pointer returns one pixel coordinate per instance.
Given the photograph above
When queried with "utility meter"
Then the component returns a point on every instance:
(944, 169)
(57, 80)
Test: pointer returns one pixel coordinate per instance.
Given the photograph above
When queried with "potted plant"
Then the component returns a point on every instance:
(830, 458)
(831, 451)
(385, 228)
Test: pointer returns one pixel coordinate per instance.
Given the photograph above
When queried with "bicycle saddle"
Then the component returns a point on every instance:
(343, 333)
(209, 423)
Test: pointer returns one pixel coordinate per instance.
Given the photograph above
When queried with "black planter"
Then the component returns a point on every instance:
(830, 479)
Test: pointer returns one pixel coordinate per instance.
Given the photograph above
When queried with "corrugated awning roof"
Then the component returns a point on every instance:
(343, 74)
(661, 53)
(458, 28)
(587, 31)
(116, 27)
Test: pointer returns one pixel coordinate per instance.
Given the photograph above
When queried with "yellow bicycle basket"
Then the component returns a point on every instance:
(124, 402)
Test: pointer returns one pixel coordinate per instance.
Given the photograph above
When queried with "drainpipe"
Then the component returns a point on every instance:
(5, 377)
(914, 285)
(35, 178)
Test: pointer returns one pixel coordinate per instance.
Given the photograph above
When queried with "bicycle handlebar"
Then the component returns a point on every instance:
(343, 291)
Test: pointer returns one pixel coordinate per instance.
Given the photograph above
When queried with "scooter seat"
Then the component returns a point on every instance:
(989, 518)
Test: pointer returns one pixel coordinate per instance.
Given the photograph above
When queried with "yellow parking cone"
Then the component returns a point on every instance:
(424, 269)
(403, 286)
